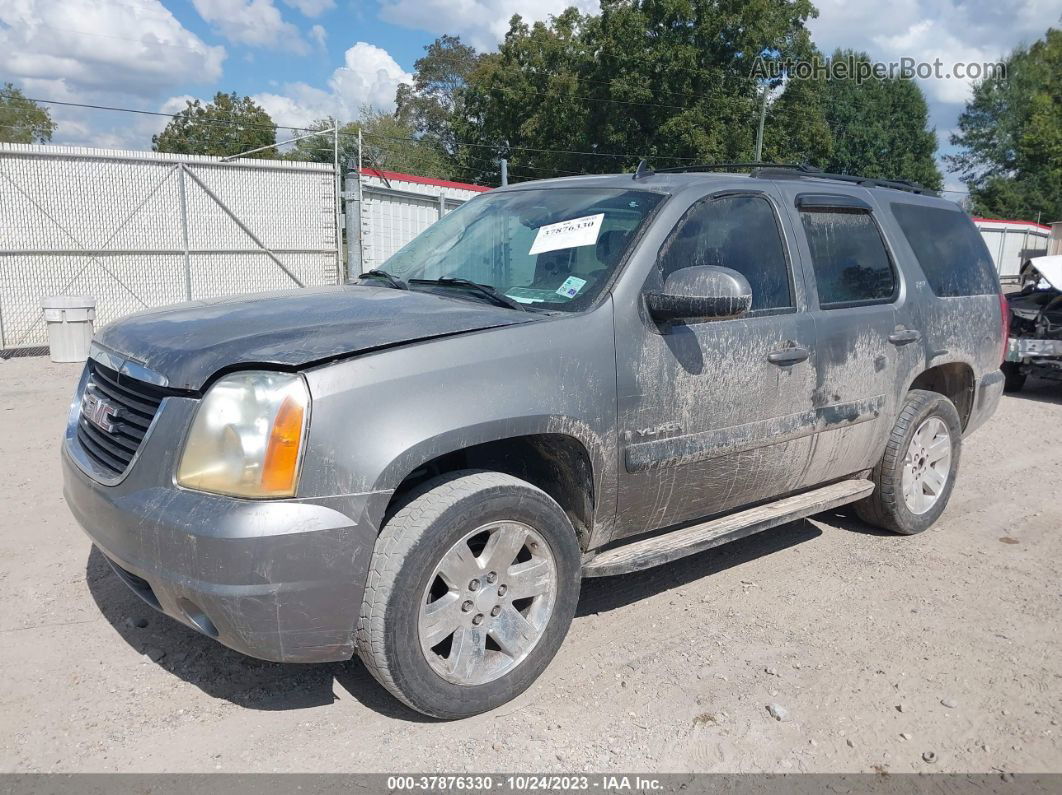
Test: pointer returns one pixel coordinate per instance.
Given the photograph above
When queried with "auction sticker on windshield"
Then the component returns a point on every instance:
(567, 234)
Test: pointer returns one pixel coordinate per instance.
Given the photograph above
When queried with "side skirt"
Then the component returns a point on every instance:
(677, 544)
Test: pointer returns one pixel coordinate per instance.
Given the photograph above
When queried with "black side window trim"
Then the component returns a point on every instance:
(890, 299)
(782, 239)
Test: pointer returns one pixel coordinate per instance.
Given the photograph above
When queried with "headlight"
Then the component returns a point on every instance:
(247, 436)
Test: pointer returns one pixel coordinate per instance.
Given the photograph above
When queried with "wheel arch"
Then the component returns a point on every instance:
(954, 380)
(558, 455)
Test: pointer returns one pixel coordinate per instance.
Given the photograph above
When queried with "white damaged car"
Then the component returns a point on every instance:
(1035, 344)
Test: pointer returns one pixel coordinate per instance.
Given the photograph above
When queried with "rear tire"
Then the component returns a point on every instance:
(1013, 377)
(471, 589)
(916, 474)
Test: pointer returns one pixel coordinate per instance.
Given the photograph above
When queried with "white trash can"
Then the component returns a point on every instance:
(69, 319)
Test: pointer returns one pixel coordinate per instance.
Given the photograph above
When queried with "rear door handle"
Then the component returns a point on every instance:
(905, 336)
(786, 356)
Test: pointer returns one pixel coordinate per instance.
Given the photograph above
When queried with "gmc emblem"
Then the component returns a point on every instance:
(98, 411)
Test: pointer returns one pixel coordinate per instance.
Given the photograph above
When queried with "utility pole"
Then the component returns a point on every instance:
(361, 206)
(341, 277)
(758, 156)
(504, 172)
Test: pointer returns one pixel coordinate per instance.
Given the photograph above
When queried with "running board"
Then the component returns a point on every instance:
(678, 543)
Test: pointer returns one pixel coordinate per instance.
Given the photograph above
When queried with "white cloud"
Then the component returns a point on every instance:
(319, 35)
(368, 76)
(967, 31)
(481, 23)
(256, 23)
(932, 42)
(102, 45)
(311, 8)
(300, 105)
(952, 31)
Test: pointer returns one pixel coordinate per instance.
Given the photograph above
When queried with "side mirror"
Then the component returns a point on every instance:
(701, 292)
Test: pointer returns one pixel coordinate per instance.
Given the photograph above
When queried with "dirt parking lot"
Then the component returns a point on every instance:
(883, 651)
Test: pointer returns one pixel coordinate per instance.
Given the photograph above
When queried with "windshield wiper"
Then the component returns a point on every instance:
(390, 278)
(495, 297)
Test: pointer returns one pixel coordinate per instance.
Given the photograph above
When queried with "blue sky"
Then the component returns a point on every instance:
(305, 59)
(253, 68)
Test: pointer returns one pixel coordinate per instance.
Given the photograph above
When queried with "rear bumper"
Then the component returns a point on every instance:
(277, 580)
(988, 391)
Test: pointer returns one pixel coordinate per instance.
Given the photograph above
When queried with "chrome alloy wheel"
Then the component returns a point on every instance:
(927, 465)
(487, 603)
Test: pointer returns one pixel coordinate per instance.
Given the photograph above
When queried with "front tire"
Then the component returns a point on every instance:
(471, 589)
(916, 474)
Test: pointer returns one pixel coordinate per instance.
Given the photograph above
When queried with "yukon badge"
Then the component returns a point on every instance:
(643, 434)
(98, 411)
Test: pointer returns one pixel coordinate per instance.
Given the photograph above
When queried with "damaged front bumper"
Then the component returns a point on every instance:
(280, 580)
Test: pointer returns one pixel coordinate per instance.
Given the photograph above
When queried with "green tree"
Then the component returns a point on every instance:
(670, 80)
(796, 129)
(435, 99)
(525, 97)
(687, 68)
(23, 121)
(879, 126)
(228, 125)
(392, 144)
(318, 148)
(388, 143)
(1011, 136)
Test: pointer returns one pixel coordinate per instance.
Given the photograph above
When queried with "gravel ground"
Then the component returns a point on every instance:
(880, 651)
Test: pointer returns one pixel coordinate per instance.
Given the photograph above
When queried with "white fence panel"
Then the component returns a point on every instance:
(1012, 243)
(392, 221)
(144, 229)
(394, 209)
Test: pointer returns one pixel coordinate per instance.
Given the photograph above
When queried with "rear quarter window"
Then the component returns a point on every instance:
(949, 249)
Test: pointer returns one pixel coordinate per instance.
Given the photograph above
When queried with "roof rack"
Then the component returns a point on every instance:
(702, 167)
(794, 171)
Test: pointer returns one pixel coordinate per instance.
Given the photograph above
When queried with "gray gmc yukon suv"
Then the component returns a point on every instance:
(560, 379)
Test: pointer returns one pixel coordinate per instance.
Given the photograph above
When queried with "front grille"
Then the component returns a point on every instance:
(134, 404)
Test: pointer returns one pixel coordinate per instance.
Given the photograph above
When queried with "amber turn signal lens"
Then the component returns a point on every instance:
(282, 451)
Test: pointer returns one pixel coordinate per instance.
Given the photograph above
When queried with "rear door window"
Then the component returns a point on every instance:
(949, 248)
(848, 255)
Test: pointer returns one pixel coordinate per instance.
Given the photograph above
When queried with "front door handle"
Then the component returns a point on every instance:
(786, 356)
(905, 336)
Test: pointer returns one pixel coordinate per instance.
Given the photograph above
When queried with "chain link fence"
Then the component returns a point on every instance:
(141, 229)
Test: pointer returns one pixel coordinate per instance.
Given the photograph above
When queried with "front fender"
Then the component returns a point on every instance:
(377, 418)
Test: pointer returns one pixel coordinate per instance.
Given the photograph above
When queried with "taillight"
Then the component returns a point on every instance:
(1004, 322)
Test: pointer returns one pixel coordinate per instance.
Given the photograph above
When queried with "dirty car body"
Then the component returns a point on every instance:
(632, 420)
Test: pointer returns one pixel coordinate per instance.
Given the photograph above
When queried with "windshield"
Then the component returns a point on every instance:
(547, 249)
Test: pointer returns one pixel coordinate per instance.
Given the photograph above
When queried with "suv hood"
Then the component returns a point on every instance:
(1050, 268)
(186, 344)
